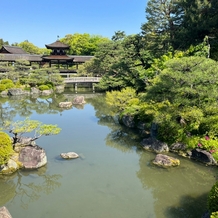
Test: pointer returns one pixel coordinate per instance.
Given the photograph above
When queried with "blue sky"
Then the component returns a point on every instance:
(41, 21)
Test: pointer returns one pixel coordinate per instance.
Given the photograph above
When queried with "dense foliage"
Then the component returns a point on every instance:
(5, 148)
(83, 44)
(22, 74)
(36, 127)
(213, 198)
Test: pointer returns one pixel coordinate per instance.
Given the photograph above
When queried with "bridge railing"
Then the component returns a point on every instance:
(81, 79)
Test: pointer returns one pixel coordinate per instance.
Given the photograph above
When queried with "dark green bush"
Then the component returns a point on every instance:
(43, 87)
(5, 148)
(213, 198)
(23, 81)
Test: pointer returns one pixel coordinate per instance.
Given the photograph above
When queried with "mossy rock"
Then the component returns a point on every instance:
(12, 165)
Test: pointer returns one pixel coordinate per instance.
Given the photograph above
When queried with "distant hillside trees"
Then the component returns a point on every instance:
(30, 48)
(2, 42)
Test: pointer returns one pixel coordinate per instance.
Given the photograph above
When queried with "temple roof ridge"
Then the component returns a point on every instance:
(57, 44)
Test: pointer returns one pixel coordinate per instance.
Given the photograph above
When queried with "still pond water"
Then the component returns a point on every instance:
(113, 178)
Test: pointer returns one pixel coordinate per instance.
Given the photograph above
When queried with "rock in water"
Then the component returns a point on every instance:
(65, 104)
(79, 100)
(4, 213)
(165, 161)
(69, 155)
(32, 157)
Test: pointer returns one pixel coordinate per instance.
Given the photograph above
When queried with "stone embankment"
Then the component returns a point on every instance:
(151, 143)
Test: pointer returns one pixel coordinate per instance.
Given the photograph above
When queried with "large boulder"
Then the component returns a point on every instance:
(25, 141)
(166, 161)
(47, 92)
(66, 104)
(4, 93)
(4, 213)
(154, 145)
(203, 156)
(59, 89)
(34, 90)
(32, 157)
(180, 148)
(17, 91)
(79, 100)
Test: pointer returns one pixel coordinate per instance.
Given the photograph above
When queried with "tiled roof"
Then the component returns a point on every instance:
(38, 58)
(14, 57)
(80, 58)
(57, 44)
(12, 50)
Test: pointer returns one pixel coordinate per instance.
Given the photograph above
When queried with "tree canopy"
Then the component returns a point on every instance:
(83, 44)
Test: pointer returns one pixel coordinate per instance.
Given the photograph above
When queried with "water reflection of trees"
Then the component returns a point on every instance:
(120, 137)
(172, 187)
(19, 185)
(167, 185)
(175, 190)
(24, 106)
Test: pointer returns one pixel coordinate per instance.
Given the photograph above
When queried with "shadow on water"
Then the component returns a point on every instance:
(186, 204)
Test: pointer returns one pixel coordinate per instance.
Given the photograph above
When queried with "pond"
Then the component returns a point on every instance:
(113, 177)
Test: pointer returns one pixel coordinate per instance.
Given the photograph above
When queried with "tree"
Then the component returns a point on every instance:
(182, 100)
(2, 42)
(19, 128)
(31, 48)
(83, 44)
(199, 21)
(164, 18)
(121, 62)
(119, 100)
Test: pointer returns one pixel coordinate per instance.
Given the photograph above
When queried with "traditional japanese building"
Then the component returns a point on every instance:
(58, 54)
(7, 49)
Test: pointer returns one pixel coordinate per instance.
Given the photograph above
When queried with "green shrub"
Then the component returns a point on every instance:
(213, 198)
(17, 84)
(9, 85)
(5, 81)
(27, 88)
(214, 215)
(49, 85)
(23, 81)
(5, 148)
(43, 87)
(2, 87)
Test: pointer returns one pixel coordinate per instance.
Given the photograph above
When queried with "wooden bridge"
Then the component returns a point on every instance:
(90, 81)
(82, 79)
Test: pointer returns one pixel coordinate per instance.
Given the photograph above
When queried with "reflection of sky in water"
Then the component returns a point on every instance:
(113, 178)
